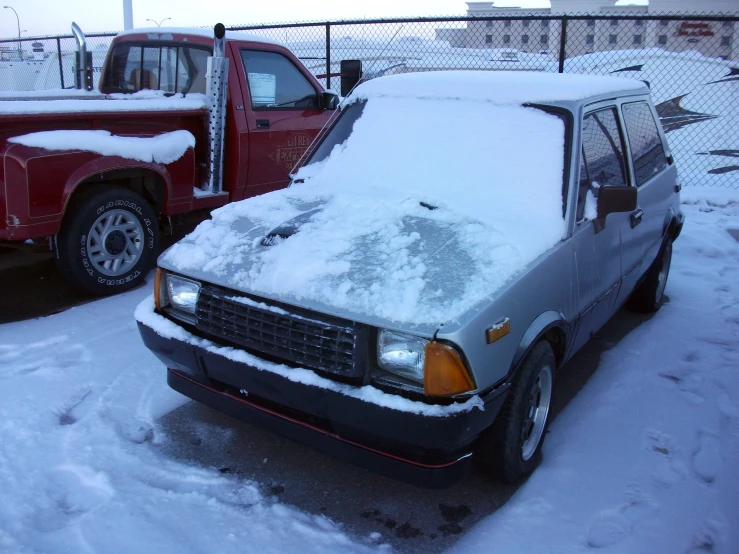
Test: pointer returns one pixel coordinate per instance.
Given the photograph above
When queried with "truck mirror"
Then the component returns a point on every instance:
(351, 74)
(328, 100)
(612, 200)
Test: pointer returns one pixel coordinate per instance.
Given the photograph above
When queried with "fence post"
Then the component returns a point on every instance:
(562, 44)
(328, 55)
(61, 66)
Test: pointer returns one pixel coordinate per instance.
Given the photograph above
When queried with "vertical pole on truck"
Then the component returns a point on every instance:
(328, 56)
(61, 65)
(216, 91)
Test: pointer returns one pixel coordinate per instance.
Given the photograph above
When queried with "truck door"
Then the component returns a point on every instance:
(598, 254)
(653, 176)
(281, 101)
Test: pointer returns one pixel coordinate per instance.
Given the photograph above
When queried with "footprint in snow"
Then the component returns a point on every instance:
(52, 354)
(707, 458)
(687, 382)
(613, 526)
(71, 492)
(707, 538)
(668, 469)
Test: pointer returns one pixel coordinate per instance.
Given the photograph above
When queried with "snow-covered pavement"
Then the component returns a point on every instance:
(643, 460)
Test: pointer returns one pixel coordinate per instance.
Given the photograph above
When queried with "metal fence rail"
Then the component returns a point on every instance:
(691, 63)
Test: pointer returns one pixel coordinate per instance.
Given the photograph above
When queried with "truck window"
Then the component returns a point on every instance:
(171, 69)
(644, 140)
(603, 155)
(274, 82)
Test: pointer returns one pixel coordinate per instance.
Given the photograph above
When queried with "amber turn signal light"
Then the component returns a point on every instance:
(444, 373)
(158, 274)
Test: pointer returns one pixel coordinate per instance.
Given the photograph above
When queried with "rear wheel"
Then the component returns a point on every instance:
(108, 241)
(511, 447)
(649, 296)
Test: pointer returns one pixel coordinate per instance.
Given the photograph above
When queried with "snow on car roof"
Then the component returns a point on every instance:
(498, 87)
(207, 32)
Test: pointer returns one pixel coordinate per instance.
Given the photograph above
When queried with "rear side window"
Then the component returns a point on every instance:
(603, 156)
(274, 82)
(132, 68)
(644, 140)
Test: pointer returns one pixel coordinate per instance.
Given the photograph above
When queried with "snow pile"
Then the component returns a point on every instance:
(145, 314)
(165, 148)
(83, 466)
(643, 460)
(142, 101)
(428, 208)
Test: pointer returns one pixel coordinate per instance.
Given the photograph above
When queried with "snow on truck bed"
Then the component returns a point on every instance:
(464, 145)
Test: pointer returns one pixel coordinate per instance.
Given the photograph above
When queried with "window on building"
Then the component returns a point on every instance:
(612, 39)
(646, 144)
(727, 25)
(662, 39)
(545, 24)
(544, 39)
(488, 39)
(725, 41)
(524, 39)
(638, 23)
(506, 39)
(614, 22)
(507, 23)
(591, 23)
(525, 24)
(489, 24)
(637, 39)
(589, 39)
(663, 23)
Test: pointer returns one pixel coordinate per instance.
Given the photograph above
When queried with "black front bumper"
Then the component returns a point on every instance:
(428, 451)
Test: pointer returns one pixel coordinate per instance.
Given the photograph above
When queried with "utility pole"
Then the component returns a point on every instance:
(127, 15)
(18, 21)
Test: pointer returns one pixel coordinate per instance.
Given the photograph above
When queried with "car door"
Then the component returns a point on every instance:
(641, 239)
(283, 114)
(597, 248)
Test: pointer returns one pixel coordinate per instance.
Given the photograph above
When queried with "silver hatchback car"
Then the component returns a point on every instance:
(451, 241)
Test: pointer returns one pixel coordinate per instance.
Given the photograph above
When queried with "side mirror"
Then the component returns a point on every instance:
(328, 100)
(351, 74)
(613, 200)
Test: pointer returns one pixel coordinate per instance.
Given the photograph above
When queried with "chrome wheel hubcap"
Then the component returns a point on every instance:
(115, 242)
(537, 411)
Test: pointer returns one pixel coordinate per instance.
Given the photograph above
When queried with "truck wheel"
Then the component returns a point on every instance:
(649, 296)
(108, 241)
(511, 447)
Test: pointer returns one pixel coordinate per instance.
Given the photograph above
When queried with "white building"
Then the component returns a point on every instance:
(714, 39)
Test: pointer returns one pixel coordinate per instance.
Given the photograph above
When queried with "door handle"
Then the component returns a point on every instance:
(636, 217)
(262, 123)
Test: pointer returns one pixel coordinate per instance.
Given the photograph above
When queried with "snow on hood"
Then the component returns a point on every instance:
(492, 174)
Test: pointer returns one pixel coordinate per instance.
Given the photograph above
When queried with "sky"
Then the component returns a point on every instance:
(44, 17)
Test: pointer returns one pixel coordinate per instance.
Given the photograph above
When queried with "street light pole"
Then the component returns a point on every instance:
(159, 24)
(18, 21)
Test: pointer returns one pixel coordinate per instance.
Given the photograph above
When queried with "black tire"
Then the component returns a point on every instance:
(501, 446)
(108, 241)
(649, 296)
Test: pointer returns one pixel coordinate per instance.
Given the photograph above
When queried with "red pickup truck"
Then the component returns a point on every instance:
(182, 121)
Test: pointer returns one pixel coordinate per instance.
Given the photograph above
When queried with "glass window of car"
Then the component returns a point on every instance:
(644, 140)
(167, 68)
(274, 82)
(603, 155)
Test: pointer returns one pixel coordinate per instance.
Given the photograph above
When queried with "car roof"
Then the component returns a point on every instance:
(501, 87)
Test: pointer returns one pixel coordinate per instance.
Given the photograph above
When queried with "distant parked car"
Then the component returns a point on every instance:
(452, 241)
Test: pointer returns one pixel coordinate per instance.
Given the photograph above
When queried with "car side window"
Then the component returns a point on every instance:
(602, 162)
(644, 140)
(274, 82)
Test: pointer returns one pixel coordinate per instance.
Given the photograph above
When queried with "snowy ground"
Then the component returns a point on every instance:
(642, 460)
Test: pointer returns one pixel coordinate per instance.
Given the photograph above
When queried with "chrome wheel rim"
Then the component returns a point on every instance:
(664, 271)
(537, 411)
(115, 242)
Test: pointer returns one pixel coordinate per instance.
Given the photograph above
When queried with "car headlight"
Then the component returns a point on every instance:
(177, 295)
(401, 354)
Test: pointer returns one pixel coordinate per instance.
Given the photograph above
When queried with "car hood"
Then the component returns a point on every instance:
(376, 257)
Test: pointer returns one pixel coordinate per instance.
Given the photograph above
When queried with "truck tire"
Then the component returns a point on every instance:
(510, 448)
(649, 296)
(108, 241)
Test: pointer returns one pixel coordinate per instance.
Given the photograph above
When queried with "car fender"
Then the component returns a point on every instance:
(543, 323)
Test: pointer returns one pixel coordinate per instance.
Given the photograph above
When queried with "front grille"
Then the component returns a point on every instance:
(304, 339)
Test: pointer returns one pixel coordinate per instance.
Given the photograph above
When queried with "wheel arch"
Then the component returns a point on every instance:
(550, 326)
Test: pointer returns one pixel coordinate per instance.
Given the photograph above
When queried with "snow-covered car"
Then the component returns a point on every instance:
(450, 243)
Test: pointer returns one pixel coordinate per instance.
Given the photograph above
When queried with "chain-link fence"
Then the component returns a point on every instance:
(691, 63)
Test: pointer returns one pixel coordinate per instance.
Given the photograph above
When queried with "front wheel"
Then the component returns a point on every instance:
(511, 447)
(108, 241)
